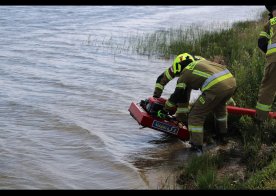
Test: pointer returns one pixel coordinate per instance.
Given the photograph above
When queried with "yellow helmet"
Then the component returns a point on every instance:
(181, 61)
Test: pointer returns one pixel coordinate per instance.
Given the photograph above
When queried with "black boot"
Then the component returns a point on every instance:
(257, 121)
(221, 139)
(196, 148)
(221, 130)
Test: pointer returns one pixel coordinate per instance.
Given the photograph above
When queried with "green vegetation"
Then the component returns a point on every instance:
(235, 47)
(263, 179)
(251, 164)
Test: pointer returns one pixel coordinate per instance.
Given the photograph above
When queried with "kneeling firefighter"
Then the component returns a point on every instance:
(217, 85)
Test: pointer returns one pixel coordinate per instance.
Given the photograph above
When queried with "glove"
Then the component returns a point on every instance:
(157, 93)
(161, 114)
(169, 109)
(262, 43)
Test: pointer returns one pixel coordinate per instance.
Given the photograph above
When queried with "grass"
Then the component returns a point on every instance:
(263, 179)
(237, 48)
(200, 173)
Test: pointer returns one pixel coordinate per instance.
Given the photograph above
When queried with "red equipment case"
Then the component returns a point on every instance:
(146, 120)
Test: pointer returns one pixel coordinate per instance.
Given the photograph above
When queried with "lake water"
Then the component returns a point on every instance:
(67, 81)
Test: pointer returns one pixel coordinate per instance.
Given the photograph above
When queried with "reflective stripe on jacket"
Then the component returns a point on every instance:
(202, 75)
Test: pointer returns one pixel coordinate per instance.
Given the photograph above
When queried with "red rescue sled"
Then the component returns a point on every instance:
(145, 113)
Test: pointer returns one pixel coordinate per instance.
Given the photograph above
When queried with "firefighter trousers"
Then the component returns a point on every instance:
(209, 101)
(267, 92)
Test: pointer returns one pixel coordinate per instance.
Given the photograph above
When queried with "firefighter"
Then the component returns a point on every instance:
(217, 85)
(267, 43)
(164, 78)
(183, 106)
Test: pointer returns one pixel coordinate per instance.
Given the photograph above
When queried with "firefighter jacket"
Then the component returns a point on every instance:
(202, 74)
(267, 40)
(164, 78)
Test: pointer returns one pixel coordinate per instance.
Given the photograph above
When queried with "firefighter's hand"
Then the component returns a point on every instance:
(162, 114)
(157, 93)
(168, 109)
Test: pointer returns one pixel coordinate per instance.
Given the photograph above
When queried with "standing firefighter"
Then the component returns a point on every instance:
(217, 85)
(267, 43)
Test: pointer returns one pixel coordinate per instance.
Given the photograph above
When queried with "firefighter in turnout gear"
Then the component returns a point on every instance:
(169, 74)
(217, 85)
(267, 43)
